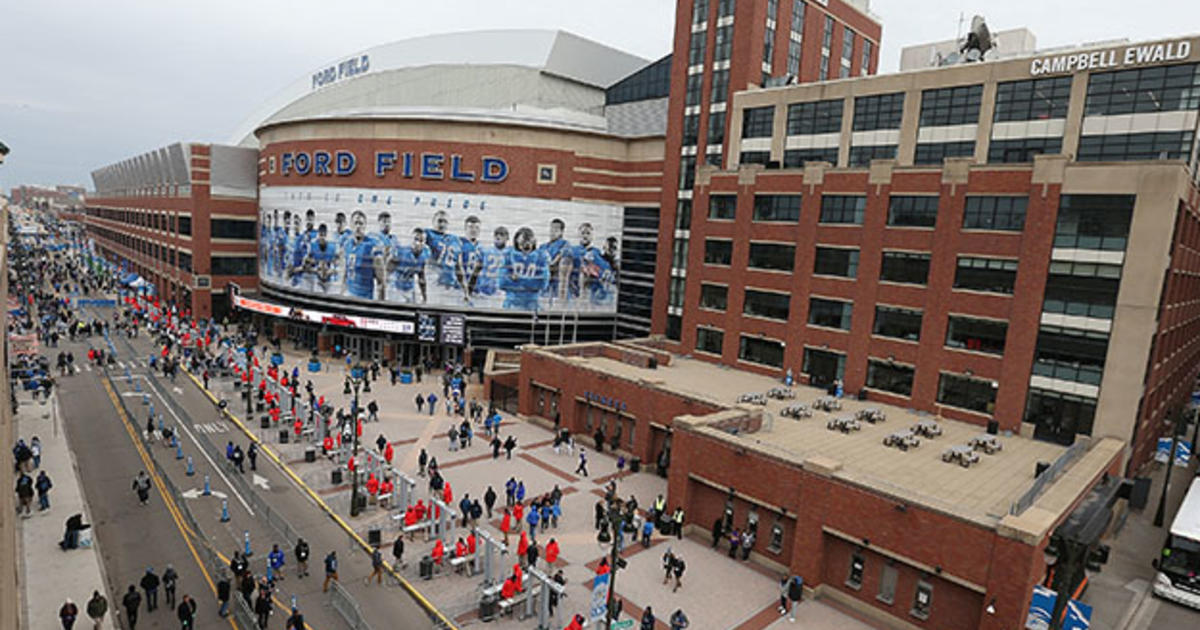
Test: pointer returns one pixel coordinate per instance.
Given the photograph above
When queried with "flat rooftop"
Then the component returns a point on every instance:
(982, 493)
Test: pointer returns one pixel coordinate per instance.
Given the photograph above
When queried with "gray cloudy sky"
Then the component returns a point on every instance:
(90, 83)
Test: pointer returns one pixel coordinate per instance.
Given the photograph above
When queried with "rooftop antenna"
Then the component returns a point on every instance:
(979, 40)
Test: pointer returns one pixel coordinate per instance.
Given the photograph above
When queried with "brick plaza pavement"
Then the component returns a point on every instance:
(717, 592)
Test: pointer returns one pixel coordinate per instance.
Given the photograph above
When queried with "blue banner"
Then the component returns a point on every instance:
(1041, 608)
(599, 604)
(1079, 616)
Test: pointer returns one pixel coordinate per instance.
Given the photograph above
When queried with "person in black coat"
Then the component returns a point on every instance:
(132, 602)
(489, 499)
(150, 584)
(262, 608)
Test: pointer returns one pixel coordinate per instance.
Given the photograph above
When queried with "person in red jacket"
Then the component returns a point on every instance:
(518, 578)
(508, 590)
(447, 494)
(372, 485)
(471, 543)
(576, 623)
(551, 551)
(327, 445)
(522, 546)
(603, 569)
(421, 509)
(439, 552)
(506, 525)
(518, 512)
(388, 453)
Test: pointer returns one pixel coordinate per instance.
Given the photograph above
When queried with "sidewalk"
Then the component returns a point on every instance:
(49, 575)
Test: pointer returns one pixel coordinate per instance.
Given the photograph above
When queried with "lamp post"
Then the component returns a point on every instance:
(249, 383)
(616, 522)
(1177, 427)
(356, 381)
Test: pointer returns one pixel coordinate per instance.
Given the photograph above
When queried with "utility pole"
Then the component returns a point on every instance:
(1160, 514)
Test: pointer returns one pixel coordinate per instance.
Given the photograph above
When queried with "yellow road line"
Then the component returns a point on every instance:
(425, 603)
(162, 491)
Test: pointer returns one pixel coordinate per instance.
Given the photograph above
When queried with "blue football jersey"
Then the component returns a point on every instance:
(554, 252)
(360, 270)
(447, 260)
(468, 257)
(324, 260)
(522, 277)
(408, 265)
(491, 259)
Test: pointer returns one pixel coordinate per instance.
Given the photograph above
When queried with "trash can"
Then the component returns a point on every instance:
(283, 436)
(374, 537)
(426, 568)
(406, 378)
(487, 607)
(310, 455)
(265, 422)
(335, 477)
(362, 501)
(635, 464)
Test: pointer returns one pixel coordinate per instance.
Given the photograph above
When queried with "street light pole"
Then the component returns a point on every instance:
(356, 380)
(615, 523)
(1161, 513)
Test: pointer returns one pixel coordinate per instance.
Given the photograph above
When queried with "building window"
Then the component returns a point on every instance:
(720, 86)
(889, 376)
(722, 207)
(793, 58)
(234, 229)
(898, 323)
(767, 304)
(713, 158)
(185, 225)
(843, 209)
(723, 44)
(725, 8)
(822, 366)
(691, 129)
(798, 7)
(683, 215)
(862, 155)
(995, 213)
(977, 335)
(936, 152)
(687, 172)
(847, 52)
(234, 266)
(912, 210)
(757, 122)
(867, 51)
(797, 158)
(1069, 354)
(674, 327)
(882, 111)
(1082, 289)
(769, 32)
(1167, 145)
(829, 313)
(679, 254)
(992, 275)
(185, 262)
(1059, 417)
(772, 256)
(762, 351)
(754, 157)
(965, 392)
(827, 34)
(1033, 99)
(904, 267)
(815, 117)
(709, 340)
(694, 84)
(777, 208)
(1094, 222)
(676, 289)
(700, 11)
(887, 584)
(718, 252)
(1156, 89)
(716, 128)
(836, 261)
(922, 600)
(696, 48)
(854, 578)
(957, 105)
(1022, 149)
(714, 296)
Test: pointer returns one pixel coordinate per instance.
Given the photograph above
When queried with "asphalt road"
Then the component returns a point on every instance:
(149, 536)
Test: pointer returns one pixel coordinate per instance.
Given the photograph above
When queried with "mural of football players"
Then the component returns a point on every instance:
(310, 228)
(384, 238)
(265, 232)
(600, 274)
(525, 273)
(341, 234)
(443, 249)
(580, 256)
(407, 266)
(491, 260)
(360, 267)
(468, 257)
(281, 239)
(320, 263)
(555, 248)
(297, 249)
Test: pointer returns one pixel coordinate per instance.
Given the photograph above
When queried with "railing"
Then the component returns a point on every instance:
(346, 606)
(1048, 476)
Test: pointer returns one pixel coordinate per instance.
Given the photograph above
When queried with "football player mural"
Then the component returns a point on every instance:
(433, 249)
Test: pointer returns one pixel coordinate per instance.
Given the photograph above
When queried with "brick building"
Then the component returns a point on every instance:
(1011, 241)
(184, 218)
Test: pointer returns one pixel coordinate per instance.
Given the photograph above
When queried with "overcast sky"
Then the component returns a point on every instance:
(89, 83)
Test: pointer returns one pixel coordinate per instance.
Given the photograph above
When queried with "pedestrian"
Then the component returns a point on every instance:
(735, 542)
(489, 499)
(276, 560)
(717, 531)
(186, 612)
(668, 563)
(150, 584)
(24, 493)
(510, 491)
(131, 603)
(331, 570)
(420, 400)
(677, 519)
(521, 491)
(67, 614)
(647, 531)
(302, 553)
(422, 460)
(509, 445)
(238, 458)
(141, 485)
(252, 454)
(35, 452)
(376, 566)
(677, 569)
(432, 401)
(679, 621)
(262, 608)
(398, 551)
(647, 619)
(581, 469)
(296, 620)
(170, 579)
(97, 608)
(224, 591)
(506, 525)
(747, 543)
(496, 444)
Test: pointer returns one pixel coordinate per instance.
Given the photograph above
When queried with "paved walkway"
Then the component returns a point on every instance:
(717, 592)
(48, 574)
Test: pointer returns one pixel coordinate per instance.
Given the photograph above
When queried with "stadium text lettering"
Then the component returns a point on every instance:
(343, 70)
(1103, 59)
(340, 163)
(492, 170)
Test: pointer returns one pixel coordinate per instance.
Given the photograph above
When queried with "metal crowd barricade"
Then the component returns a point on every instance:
(346, 606)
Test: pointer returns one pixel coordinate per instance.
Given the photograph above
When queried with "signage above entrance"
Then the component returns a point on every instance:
(1115, 58)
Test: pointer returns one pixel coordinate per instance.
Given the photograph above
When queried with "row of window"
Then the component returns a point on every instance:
(980, 212)
(152, 219)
